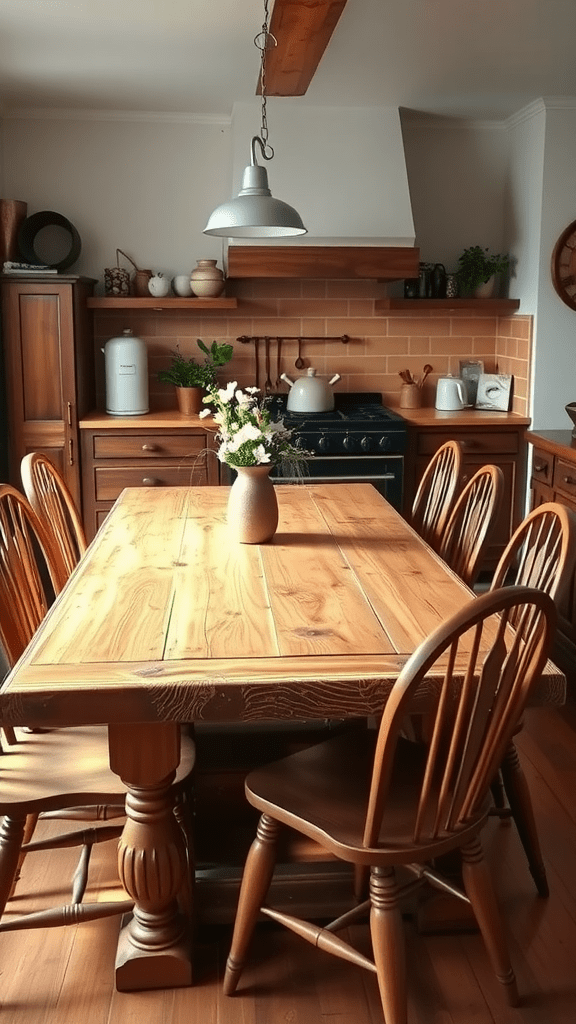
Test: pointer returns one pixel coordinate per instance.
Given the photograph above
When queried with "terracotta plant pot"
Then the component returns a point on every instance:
(190, 400)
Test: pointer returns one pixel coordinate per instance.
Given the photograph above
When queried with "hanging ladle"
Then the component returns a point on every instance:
(299, 362)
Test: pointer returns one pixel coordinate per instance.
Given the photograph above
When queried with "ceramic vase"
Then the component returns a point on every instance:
(190, 400)
(485, 290)
(207, 280)
(252, 505)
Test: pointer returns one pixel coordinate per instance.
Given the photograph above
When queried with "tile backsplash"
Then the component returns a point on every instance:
(379, 346)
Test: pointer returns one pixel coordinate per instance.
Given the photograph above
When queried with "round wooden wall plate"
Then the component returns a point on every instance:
(564, 266)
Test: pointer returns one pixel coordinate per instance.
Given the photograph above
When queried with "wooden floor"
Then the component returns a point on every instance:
(64, 976)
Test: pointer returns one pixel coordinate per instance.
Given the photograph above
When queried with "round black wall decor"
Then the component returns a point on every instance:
(32, 226)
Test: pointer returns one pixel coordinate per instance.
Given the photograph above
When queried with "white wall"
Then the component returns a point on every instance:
(144, 185)
(456, 172)
(555, 352)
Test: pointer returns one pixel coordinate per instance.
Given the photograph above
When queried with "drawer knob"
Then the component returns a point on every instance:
(149, 447)
(150, 481)
(470, 444)
(540, 467)
(569, 480)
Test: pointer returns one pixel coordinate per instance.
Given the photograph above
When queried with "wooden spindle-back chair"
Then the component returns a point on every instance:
(436, 494)
(57, 771)
(51, 500)
(471, 523)
(392, 803)
(542, 554)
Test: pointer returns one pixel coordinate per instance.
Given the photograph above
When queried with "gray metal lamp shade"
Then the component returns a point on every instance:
(254, 213)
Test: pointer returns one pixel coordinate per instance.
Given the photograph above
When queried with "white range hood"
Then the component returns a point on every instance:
(343, 169)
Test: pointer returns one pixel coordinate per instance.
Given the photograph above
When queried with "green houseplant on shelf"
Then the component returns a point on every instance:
(477, 269)
(192, 378)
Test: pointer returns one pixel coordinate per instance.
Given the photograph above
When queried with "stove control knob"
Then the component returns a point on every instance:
(299, 441)
(384, 443)
(349, 443)
(366, 443)
(324, 443)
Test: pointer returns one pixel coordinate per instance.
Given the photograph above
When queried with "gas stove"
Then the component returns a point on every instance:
(358, 425)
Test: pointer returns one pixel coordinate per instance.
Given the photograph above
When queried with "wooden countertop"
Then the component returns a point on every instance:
(430, 417)
(149, 421)
(557, 442)
(425, 417)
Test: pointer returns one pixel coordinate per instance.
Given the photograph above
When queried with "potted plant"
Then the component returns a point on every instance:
(477, 267)
(192, 378)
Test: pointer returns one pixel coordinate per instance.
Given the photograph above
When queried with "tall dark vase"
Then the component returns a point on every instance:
(12, 214)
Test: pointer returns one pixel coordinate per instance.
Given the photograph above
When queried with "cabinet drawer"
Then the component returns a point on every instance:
(542, 467)
(109, 482)
(147, 446)
(565, 477)
(475, 442)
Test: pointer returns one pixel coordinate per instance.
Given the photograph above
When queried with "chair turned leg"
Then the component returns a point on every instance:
(480, 892)
(388, 944)
(11, 837)
(521, 807)
(256, 880)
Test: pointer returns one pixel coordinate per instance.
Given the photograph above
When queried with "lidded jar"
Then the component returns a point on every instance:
(207, 280)
(126, 365)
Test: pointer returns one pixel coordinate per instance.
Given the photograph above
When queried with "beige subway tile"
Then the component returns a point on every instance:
(361, 307)
(483, 325)
(312, 327)
(314, 289)
(312, 307)
(523, 348)
(350, 289)
(277, 288)
(419, 346)
(414, 326)
(254, 307)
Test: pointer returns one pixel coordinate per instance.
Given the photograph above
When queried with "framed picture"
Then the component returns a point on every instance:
(470, 371)
(494, 391)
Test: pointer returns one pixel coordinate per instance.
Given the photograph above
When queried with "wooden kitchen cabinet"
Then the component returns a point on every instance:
(49, 368)
(554, 479)
(161, 449)
(496, 438)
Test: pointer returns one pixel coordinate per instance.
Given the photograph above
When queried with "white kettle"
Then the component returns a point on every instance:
(450, 394)
(309, 393)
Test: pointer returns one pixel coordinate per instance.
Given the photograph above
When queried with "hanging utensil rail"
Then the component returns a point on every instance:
(244, 339)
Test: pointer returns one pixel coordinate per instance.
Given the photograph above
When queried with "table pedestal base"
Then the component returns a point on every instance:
(137, 969)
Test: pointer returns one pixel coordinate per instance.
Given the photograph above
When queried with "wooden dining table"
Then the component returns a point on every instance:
(168, 620)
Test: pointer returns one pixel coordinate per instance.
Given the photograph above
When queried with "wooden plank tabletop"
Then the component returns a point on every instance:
(168, 618)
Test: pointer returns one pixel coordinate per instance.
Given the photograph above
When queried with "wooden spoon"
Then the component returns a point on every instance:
(299, 362)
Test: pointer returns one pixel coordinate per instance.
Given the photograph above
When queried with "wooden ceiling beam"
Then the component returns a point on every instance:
(303, 29)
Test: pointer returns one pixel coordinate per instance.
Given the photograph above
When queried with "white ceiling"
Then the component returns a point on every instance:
(484, 59)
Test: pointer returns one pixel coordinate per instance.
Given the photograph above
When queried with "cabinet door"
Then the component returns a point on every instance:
(43, 330)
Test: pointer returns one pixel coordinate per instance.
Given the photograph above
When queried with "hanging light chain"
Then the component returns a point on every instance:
(264, 41)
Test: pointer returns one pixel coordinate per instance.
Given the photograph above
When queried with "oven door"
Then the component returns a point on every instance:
(384, 472)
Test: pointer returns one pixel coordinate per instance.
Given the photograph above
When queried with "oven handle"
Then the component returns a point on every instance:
(332, 479)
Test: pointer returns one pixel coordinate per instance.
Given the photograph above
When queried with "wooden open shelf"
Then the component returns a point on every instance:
(169, 302)
(491, 307)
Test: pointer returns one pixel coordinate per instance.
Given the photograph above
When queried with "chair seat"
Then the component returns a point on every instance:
(79, 770)
(322, 792)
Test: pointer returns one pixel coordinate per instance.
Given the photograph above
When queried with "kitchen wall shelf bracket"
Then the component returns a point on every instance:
(111, 302)
(487, 307)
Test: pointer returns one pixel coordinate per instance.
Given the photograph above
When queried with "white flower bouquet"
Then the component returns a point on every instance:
(247, 435)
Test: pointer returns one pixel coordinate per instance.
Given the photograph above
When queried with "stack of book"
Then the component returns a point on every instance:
(10, 267)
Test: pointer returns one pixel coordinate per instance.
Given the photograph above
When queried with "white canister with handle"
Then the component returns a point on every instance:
(450, 394)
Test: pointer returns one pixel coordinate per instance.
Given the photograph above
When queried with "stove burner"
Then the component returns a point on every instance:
(358, 424)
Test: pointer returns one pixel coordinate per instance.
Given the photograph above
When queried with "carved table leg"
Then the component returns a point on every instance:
(154, 946)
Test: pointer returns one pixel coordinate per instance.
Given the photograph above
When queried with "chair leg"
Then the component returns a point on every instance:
(520, 802)
(255, 884)
(480, 892)
(11, 836)
(31, 822)
(388, 944)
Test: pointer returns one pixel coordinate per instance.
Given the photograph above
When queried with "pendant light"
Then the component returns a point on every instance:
(255, 213)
